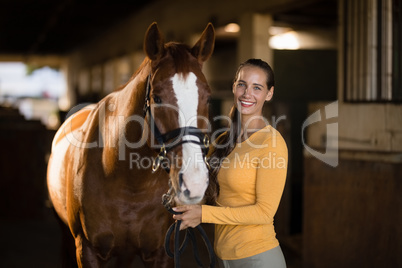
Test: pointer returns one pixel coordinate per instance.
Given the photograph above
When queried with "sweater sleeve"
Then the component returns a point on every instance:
(270, 182)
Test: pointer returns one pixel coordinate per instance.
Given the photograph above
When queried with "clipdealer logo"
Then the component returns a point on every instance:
(331, 154)
(116, 129)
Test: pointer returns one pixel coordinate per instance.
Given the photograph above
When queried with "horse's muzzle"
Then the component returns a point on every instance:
(189, 195)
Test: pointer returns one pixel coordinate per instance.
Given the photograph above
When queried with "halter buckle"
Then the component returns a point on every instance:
(162, 151)
(206, 141)
(168, 198)
(158, 160)
(156, 164)
(206, 162)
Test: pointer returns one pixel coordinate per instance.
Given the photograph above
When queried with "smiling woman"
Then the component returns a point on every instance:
(250, 164)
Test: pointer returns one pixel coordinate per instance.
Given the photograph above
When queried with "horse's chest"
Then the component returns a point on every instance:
(124, 225)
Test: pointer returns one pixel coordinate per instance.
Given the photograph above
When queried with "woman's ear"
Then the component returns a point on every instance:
(270, 94)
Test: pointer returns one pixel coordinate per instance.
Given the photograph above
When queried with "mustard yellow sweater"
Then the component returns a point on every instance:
(252, 178)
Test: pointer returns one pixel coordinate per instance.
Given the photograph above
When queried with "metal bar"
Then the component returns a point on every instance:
(387, 50)
(372, 50)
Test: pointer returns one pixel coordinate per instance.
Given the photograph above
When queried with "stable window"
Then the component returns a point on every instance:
(373, 50)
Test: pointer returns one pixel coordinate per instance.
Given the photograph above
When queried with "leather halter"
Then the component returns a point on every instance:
(171, 139)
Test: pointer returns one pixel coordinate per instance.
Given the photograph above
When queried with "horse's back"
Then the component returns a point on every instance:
(58, 162)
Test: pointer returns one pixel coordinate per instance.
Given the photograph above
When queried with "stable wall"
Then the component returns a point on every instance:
(351, 210)
(352, 214)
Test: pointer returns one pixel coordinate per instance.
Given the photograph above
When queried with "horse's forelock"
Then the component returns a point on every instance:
(181, 55)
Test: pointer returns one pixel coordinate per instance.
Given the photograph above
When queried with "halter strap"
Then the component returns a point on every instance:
(147, 110)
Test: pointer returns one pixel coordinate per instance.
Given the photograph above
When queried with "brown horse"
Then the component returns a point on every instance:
(103, 175)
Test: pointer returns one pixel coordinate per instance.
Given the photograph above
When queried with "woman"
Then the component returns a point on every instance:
(251, 171)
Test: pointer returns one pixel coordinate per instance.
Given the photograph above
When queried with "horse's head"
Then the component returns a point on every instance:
(177, 111)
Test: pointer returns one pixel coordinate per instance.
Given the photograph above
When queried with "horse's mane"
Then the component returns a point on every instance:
(143, 64)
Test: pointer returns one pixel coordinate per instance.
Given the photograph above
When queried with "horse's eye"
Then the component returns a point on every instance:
(157, 100)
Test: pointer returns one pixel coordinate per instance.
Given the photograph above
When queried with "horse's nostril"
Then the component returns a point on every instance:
(186, 193)
(181, 182)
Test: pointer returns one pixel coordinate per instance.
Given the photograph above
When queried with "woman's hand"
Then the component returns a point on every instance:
(190, 217)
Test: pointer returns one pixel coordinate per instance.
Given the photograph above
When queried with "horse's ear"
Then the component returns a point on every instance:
(205, 45)
(154, 42)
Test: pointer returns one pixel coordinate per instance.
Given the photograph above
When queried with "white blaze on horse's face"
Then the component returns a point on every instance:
(193, 179)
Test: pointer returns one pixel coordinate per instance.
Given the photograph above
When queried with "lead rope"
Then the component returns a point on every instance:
(189, 234)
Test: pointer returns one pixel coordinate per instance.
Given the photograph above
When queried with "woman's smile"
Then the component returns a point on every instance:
(246, 104)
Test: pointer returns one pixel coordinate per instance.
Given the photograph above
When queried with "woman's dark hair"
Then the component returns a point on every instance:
(261, 64)
(225, 143)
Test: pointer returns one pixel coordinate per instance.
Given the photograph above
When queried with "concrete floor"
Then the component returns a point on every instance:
(30, 243)
(36, 243)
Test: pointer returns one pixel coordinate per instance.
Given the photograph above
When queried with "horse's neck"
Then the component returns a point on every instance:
(123, 112)
(131, 99)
